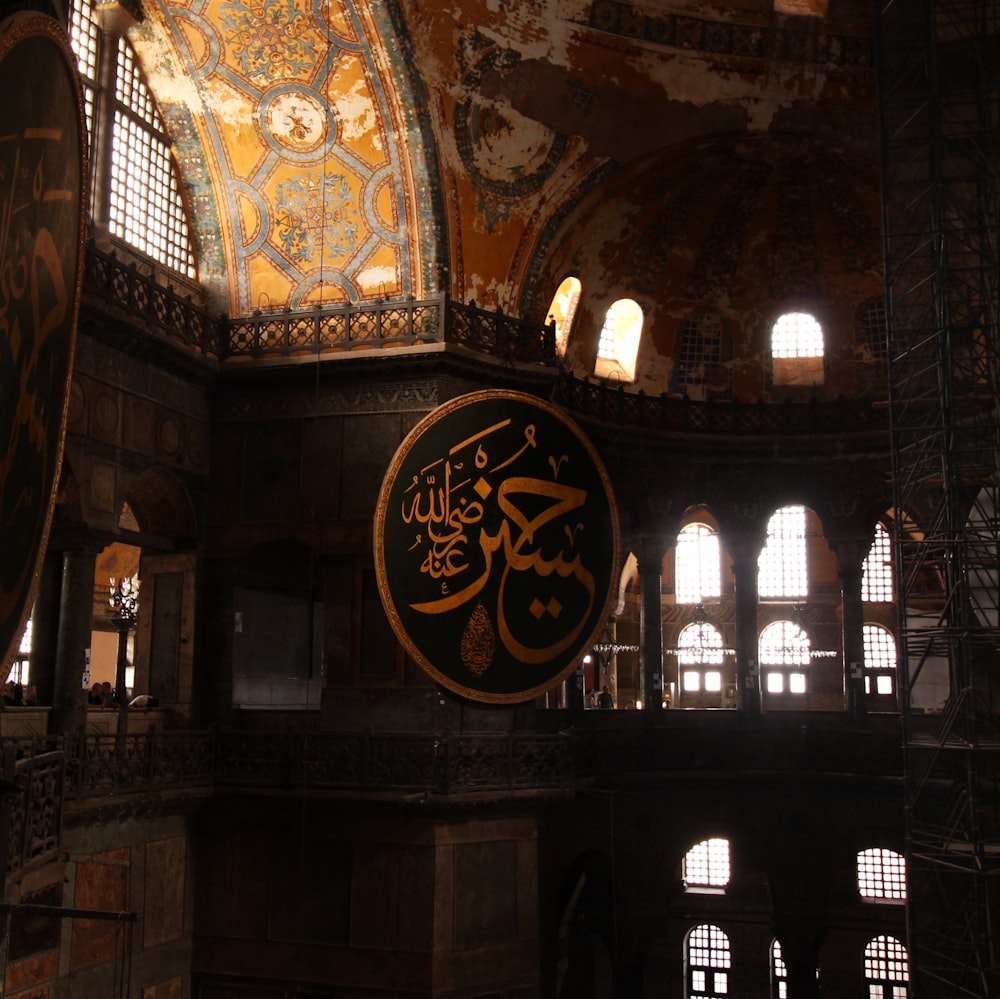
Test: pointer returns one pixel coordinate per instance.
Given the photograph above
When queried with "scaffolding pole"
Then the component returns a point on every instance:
(938, 65)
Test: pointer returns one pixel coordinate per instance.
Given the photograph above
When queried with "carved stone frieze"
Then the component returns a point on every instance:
(394, 397)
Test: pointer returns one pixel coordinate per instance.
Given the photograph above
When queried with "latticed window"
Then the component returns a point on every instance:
(796, 334)
(783, 563)
(699, 657)
(870, 329)
(618, 346)
(886, 969)
(779, 972)
(876, 577)
(784, 658)
(699, 345)
(697, 561)
(562, 311)
(141, 200)
(18, 672)
(85, 36)
(880, 660)
(706, 865)
(881, 875)
(708, 962)
(146, 208)
(797, 350)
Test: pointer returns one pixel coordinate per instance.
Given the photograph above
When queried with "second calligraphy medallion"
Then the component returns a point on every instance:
(496, 545)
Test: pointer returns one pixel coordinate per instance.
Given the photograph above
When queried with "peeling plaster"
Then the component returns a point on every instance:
(356, 114)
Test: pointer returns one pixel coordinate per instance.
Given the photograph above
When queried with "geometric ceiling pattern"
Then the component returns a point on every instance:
(293, 150)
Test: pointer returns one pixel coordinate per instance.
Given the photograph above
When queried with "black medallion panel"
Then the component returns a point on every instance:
(496, 545)
(42, 172)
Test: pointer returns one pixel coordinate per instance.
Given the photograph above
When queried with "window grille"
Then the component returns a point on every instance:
(779, 973)
(880, 660)
(699, 346)
(881, 875)
(796, 334)
(699, 658)
(876, 578)
(886, 969)
(706, 864)
(697, 565)
(784, 658)
(146, 208)
(870, 328)
(708, 962)
(783, 562)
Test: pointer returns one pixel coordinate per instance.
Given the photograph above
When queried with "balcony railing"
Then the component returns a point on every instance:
(613, 404)
(125, 286)
(443, 765)
(378, 325)
(122, 286)
(46, 773)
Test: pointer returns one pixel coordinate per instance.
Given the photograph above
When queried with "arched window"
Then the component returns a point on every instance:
(618, 347)
(697, 575)
(870, 329)
(699, 349)
(876, 578)
(19, 665)
(699, 658)
(880, 661)
(882, 875)
(135, 188)
(797, 350)
(783, 563)
(706, 866)
(779, 973)
(708, 960)
(887, 971)
(562, 311)
(784, 658)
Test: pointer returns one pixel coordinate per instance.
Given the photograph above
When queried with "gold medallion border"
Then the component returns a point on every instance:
(402, 452)
(14, 30)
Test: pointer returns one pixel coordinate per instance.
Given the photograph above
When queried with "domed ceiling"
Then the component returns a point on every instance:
(747, 227)
(341, 150)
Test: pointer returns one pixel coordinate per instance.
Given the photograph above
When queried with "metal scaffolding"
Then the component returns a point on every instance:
(938, 65)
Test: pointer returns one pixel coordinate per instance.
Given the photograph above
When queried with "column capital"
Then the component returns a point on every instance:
(649, 548)
(850, 549)
(65, 537)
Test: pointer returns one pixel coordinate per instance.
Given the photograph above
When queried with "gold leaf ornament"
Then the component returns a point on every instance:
(478, 642)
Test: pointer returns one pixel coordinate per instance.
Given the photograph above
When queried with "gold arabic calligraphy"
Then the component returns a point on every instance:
(446, 501)
(34, 307)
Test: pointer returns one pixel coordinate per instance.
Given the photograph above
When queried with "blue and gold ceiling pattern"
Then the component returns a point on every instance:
(293, 145)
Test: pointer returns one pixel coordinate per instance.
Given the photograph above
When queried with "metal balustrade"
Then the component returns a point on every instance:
(43, 775)
(130, 288)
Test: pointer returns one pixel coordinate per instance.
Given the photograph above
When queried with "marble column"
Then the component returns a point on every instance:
(651, 626)
(44, 628)
(850, 567)
(745, 552)
(76, 612)
(800, 952)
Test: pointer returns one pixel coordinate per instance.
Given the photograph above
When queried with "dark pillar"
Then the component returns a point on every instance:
(651, 626)
(629, 982)
(850, 568)
(800, 952)
(45, 628)
(76, 612)
(745, 554)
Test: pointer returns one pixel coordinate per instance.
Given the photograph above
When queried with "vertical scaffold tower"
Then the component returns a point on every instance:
(938, 64)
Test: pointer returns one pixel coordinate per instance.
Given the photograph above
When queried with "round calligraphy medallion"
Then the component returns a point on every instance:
(42, 174)
(496, 545)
